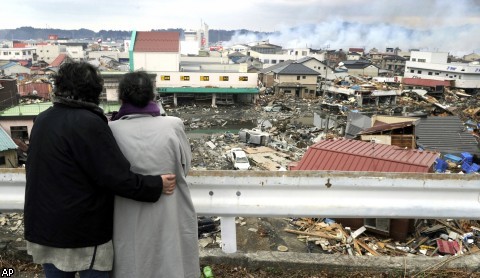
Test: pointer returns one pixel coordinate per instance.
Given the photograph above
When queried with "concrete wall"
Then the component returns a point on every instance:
(49, 52)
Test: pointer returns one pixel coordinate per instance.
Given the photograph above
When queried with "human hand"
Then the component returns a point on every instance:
(169, 183)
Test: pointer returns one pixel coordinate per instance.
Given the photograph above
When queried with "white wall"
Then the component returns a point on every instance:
(429, 57)
(49, 52)
(76, 53)
(17, 53)
(154, 61)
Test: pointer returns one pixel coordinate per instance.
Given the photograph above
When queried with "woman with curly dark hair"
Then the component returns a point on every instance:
(160, 239)
(74, 168)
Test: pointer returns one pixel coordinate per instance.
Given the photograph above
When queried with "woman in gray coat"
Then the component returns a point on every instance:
(153, 239)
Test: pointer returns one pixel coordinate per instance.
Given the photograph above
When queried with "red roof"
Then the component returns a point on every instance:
(425, 82)
(157, 42)
(19, 45)
(354, 155)
(58, 61)
(355, 49)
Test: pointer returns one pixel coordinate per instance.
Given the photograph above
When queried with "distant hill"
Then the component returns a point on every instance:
(26, 33)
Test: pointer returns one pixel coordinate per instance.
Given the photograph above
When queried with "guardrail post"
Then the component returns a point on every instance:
(229, 234)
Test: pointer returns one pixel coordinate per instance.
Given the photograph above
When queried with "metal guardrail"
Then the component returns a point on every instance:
(309, 193)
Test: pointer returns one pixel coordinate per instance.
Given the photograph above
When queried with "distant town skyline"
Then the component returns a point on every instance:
(440, 25)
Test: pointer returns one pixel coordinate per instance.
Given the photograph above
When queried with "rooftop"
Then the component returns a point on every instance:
(353, 155)
(36, 108)
(157, 42)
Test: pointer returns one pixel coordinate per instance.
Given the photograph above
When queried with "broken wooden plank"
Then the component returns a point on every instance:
(319, 234)
(366, 247)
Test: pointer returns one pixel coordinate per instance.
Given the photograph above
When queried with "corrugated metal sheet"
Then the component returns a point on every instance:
(356, 122)
(6, 143)
(353, 155)
(157, 42)
(425, 82)
(445, 135)
(43, 89)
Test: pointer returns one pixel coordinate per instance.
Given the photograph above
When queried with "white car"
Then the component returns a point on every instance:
(238, 158)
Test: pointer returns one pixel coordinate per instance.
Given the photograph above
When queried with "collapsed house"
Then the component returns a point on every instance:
(354, 155)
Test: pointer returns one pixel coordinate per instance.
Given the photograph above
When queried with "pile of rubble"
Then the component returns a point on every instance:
(431, 238)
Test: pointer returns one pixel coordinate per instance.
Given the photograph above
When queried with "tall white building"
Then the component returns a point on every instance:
(435, 66)
(194, 40)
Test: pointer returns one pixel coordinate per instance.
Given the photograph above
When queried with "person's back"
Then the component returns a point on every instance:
(159, 239)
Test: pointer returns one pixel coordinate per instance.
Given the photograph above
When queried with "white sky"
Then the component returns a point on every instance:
(444, 19)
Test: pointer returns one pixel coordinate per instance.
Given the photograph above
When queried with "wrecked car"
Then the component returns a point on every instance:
(238, 158)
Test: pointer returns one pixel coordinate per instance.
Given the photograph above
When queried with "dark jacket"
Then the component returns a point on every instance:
(74, 167)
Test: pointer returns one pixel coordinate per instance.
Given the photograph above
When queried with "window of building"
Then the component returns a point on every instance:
(185, 78)
(165, 77)
(298, 77)
(414, 59)
(266, 61)
(5, 53)
(419, 72)
(437, 73)
(459, 77)
(281, 61)
(24, 52)
(304, 77)
(29, 52)
(304, 53)
(17, 53)
(430, 73)
(19, 132)
(2, 160)
(243, 78)
(274, 61)
(223, 78)
(422, 60)
(381, 224)
(204, 78)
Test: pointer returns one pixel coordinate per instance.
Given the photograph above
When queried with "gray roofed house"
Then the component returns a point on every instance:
(279, 65)
(447, 135)
(295, 69)
(266, 75)
(295, 80)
